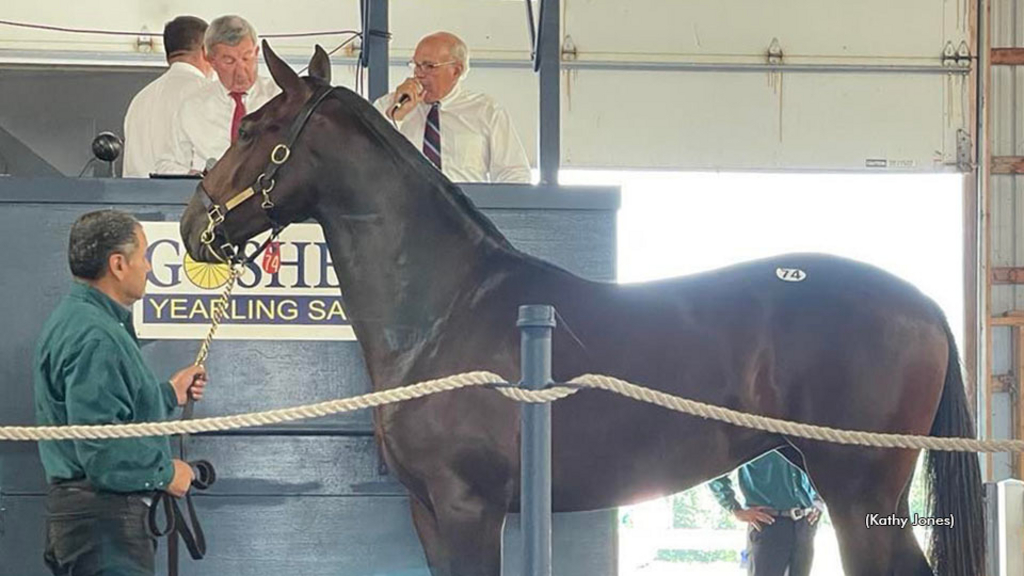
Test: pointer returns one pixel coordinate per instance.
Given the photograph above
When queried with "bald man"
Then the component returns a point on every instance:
(467, 135)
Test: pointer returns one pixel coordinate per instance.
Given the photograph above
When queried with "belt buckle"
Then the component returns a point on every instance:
(797, 513)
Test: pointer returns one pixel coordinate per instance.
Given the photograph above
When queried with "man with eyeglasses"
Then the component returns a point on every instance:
(467, 135)
(207, 121)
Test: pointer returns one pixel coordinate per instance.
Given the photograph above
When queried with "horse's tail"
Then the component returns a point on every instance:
(954, 481)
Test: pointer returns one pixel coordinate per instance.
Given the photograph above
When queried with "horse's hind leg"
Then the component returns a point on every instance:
(911, 559)
(855, 484)
(430, 537)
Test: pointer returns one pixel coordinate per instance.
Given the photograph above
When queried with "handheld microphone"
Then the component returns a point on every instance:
(401, 102)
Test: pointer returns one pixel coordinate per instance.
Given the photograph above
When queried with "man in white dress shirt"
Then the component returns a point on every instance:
(467, 135)
(207, 121)
(147, 125)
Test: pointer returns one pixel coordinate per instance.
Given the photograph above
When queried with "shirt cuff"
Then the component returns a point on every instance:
(164, 475)
(170, 396)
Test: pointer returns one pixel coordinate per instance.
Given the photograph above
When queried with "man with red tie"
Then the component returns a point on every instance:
(466, 135)
(207, 121)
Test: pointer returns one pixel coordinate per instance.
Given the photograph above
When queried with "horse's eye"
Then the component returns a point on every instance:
(243, 134)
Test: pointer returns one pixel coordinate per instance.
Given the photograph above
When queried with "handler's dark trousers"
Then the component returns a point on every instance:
(785, 544)
(91, 533)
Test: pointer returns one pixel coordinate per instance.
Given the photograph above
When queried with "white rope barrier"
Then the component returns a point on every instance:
(478, 379)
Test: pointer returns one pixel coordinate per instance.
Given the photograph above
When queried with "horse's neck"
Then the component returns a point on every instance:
(402, 276)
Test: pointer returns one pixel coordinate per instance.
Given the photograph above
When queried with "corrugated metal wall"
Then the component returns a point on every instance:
(646, 83)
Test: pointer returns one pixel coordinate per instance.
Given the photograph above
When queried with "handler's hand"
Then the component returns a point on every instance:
(182, 479)
(813, 516)
(191, 379)
(755, 516)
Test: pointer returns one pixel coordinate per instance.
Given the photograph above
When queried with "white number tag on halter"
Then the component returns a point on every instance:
(791, 274)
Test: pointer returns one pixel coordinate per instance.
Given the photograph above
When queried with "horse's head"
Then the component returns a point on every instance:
(263, 180)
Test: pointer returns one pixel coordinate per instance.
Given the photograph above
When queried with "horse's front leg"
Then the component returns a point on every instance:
(425, 521)
(469, 525)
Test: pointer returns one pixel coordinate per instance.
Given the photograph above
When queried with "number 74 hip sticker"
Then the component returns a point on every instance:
(790, 274)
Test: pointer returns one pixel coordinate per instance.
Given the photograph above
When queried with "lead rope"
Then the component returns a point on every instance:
(219, 309)
(177, 525)
(218, 313)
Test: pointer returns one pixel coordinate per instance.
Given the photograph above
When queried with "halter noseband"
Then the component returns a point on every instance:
(264, 184)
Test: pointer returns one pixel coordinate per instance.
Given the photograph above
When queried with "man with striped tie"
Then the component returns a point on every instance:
(467, 135)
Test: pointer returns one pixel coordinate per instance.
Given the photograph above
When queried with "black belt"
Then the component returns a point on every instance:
(791, 513)
(175, 523)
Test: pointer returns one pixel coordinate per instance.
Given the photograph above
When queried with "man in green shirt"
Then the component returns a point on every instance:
(89, 370)
(781, 509)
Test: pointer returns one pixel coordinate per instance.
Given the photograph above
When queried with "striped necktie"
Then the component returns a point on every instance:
(432, 135)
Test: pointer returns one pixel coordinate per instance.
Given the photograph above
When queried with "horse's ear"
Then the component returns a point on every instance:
(320, 65)
(282, 73)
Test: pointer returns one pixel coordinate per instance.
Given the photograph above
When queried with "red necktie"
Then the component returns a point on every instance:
(236, 118)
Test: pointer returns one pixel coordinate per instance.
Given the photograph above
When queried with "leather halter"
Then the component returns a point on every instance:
(264, 184)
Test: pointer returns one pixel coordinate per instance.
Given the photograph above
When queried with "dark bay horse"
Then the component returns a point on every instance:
(432, 288)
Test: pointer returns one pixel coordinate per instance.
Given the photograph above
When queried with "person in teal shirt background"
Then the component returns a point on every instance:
(88, 369)
(781, 509)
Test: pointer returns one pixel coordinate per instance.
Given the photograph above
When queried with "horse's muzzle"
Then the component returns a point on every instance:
(193, 225)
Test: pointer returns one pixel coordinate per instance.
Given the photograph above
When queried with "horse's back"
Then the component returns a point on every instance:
(803, 337)
(811, 313)
(788, 292)
(795, 277)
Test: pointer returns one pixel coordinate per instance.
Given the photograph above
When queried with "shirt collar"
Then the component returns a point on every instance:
(451, 96)
(85, 293)
(186, 68)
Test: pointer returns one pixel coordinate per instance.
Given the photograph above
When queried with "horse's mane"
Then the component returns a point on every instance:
(410, 158)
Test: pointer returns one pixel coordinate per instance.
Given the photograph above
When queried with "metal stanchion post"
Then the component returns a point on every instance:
(536, 324)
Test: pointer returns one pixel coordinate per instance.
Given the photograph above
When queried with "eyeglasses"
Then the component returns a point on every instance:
(428, 67)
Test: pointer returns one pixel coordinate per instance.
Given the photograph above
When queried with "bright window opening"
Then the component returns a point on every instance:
(672, 224)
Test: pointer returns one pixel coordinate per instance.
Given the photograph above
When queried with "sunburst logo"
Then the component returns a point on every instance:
(205, 275)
